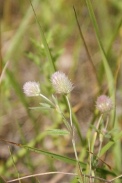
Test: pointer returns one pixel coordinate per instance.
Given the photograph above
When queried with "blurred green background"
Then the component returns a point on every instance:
(23, 58)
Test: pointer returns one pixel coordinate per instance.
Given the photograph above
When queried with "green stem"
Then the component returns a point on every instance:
(94, 140)
(49, 101)
(95, 134)
(101, 136)
(70, 111)
(73, 141)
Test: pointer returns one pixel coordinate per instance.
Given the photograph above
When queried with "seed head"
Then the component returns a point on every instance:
(61, 83)
(104, 104)
(31, 88)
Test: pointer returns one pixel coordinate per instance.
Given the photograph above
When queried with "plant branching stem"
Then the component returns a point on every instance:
(73, 141)
(95, 134)
(101, 138)
(49, 101)
(94, 138)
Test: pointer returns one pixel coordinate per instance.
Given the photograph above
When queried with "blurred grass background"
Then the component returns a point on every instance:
(23, 58)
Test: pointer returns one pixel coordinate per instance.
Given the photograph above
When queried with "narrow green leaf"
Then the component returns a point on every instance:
(55, 100)
(53, 155)
(45, 105)
(65, 159)
(39, 108)
(57, 132)
(35, 108)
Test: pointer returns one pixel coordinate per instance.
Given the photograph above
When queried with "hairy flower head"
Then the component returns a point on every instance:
(61, 83)
(104, 104)
(31, 88)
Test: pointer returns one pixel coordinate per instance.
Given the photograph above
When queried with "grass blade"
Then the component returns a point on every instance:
(47, 50)
(108, 72)
(58, 157)
(104, 57)
(57, 132)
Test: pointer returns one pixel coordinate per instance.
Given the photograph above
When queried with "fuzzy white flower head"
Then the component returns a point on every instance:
(61, 83)
(104, 104)
(31, 88)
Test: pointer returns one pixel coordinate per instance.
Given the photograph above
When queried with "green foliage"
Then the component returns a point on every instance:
(57, 132)
(112, 142)
(35, 52)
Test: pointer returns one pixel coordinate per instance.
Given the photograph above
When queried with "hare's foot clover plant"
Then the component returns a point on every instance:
(63, 86)
(104, 105)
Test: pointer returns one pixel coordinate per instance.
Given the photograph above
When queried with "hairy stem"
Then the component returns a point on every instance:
(73, 141)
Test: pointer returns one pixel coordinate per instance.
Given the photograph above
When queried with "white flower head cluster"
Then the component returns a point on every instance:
(104, 104)
(31, 88)
(61, 83)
